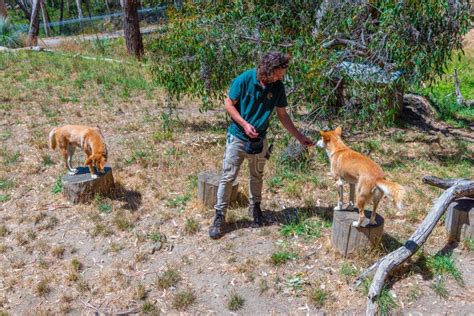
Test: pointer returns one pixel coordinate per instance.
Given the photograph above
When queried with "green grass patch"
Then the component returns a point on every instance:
(281, 257)
(307, 228)
(442, 92)
(347, 270)
(9, 157)
(179, 201)
(183, 299)
(439, 287)
(169, 278)
(469, 244)
(444, 265)
(4, 198)
(6, 184)
(235, 302)
(318, 297)
(58, 186)
(385, 301)
(155, 236)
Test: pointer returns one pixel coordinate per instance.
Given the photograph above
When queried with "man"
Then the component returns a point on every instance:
(251, 99)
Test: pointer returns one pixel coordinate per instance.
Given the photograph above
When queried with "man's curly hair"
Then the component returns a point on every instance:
(269, 62)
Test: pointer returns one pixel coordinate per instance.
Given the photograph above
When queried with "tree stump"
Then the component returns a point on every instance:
(208, 182)
(460, 219)
(81, 188)
(347, 239)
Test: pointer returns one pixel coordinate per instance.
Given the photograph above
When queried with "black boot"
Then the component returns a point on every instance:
(258, 219)
(217, 228)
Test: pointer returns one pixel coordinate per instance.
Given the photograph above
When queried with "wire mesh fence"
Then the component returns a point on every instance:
(97, 23)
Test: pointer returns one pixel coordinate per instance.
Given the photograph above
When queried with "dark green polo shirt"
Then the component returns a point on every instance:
(255, 103)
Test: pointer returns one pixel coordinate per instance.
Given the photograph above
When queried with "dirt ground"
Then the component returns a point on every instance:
(146, 248)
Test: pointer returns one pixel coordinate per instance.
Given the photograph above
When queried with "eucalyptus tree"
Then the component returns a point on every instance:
(374, 46)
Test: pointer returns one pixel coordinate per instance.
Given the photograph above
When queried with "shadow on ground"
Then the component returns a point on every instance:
(132, 199)
(285, 216)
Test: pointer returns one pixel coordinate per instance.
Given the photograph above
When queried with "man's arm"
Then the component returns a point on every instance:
(229, 106)
(286, 121)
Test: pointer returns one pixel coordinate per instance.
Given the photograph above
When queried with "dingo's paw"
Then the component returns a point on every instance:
(355, 223)
(350, 207)
(94, 176)
(72, 172)
(338, 207)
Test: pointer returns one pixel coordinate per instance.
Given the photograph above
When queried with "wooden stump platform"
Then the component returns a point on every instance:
(347, 239)
(208, 182)
(81, 188)
(460, 219)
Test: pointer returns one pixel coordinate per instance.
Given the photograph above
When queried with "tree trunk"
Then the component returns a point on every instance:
(44, 12)
(34, 24)
(3, 9)
(208, 183)
(79, 11)
(81, 188)
(23, 7)
(386, 264)
(107, 6)
(61, 17)
(347, 239)
(131, 27)
(88, 8)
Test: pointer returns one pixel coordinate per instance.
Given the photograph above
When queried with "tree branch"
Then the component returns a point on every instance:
(386, 264)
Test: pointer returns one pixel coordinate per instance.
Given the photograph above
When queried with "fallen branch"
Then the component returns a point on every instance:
(386, 264)
(440, 183)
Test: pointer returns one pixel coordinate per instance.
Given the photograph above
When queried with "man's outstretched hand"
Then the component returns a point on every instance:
(305, 141)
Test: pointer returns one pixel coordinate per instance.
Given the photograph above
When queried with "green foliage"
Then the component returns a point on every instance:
(205, 45)
(9, 36)
(442, 92)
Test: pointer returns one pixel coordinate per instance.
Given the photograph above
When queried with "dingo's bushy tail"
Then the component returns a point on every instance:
(393, 190)
(52, 139)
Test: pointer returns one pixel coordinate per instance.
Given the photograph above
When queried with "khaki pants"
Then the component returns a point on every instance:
(233, 157)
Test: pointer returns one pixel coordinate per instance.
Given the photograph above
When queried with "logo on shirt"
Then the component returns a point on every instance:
(269, 95)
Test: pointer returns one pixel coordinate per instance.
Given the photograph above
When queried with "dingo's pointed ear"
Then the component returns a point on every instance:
(339, 130)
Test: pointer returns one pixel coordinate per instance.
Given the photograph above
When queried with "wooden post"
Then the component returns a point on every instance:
(81, 188)
(460, 219)
(347, 239)
(208, 182)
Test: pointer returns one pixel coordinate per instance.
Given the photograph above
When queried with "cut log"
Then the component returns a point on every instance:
(386, 264)
(208, 182)
(460, 219)
(81, 188)
(347, 239)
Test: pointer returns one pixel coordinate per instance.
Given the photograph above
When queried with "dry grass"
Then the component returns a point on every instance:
(100, 251)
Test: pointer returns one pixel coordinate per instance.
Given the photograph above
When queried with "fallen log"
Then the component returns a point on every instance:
(385, 265)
